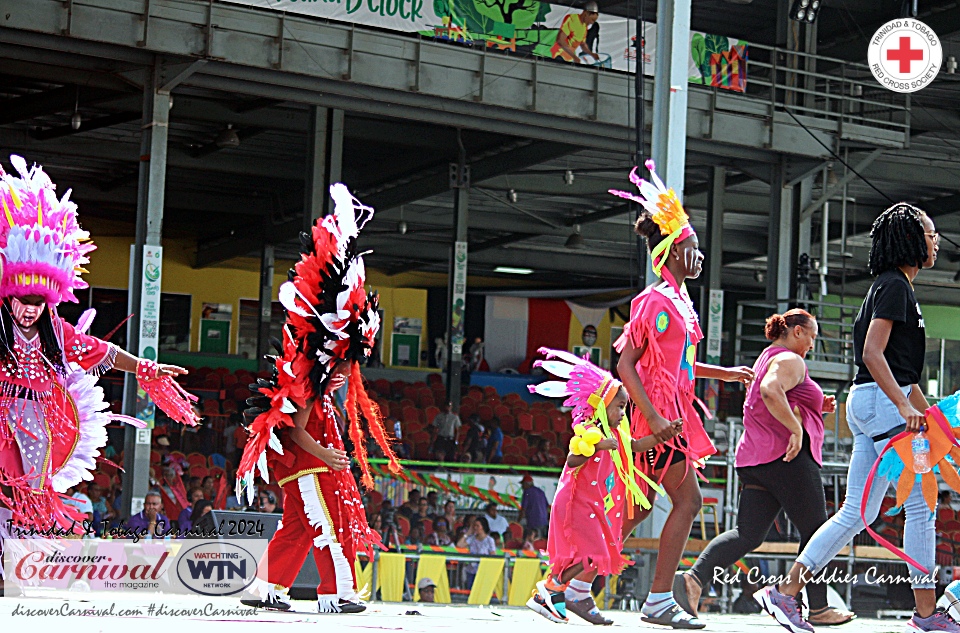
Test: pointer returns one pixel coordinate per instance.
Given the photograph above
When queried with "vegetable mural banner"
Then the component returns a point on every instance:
(530, 27)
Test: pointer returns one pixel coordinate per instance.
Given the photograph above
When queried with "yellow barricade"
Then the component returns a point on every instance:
(434, 567)
(489, 579)
(390, 576)
(526, 573)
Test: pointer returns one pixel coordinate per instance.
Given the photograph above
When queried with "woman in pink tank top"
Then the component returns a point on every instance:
(778, 460)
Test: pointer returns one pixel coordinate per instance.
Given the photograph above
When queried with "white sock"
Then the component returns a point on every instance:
(577, 590)
(657, 602)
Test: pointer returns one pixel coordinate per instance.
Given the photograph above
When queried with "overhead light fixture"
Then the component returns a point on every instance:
(568, 176)
(227, 137)
(512, 196)
(740, 1)
(951, 64)
(759, 276)
(575, 241)
(510, 270)
(402, 228)
(805, 10)
(75, 119)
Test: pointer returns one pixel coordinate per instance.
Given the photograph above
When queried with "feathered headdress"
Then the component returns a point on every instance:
(665, 210)
(590, 390)
(44, 249)
(329, 318)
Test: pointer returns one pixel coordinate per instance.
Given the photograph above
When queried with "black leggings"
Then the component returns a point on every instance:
(794, 486)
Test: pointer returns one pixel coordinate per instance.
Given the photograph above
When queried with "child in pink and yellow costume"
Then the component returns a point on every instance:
(657, 366)
(597, 486)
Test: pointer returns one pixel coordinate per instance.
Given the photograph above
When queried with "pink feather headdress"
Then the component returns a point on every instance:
(44, 248)
(587, 387)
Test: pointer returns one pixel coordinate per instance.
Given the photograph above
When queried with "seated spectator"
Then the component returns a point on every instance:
(200, 518)
(495, 443)
(495, 521)
(475, 443)
(542, 456)
(530, 536)
(230, 437)
(427, 589)
(441, 534)
(150, 518)
(412, 506)
(183, 521)
(433, 504)
(479, 543)
(375, 521)
(444, 430)
(415, 537)
(267, 502)
(81, 502)
(422, 514)
(101, 511)
(450, 514)
(209, 487)
(497, 539)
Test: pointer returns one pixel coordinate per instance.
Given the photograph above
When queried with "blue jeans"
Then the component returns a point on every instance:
(869, 413)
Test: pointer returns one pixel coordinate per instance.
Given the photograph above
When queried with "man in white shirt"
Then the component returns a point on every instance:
(497, 523)
(445, 428)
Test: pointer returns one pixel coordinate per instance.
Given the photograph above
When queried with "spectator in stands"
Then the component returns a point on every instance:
(388, 523)
(427, 589)
(240, 436)
(422, 514)
(495, 521)
(530, 537)
(399, 448)
(415, 537)
(267, 502)
(533, 506)
(433, 504)
(441, 533)
(542, 456)
(193, 496)
(209, 487)
(479, 542)
(101, 511)
(450, 514)
(412, 506)
(197, 517)
(497, 539)
(375, 521)
(445, 428)
(190, 435)
(474, 445)
(230, 437)
(495, 443)
(150, 518)
(80, 501)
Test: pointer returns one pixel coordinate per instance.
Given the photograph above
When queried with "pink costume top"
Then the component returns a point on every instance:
(764, 438)
(52, 422)
(662, 316)
(585, 519)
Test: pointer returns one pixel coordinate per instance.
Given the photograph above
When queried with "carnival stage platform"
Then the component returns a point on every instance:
(81, 613)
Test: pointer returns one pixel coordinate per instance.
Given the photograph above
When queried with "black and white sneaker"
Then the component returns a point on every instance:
(271, 602)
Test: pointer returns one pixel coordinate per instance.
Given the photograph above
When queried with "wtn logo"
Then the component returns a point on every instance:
(216, 568)
(224, 569)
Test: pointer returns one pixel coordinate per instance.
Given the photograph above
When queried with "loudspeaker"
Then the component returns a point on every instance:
(247, 525)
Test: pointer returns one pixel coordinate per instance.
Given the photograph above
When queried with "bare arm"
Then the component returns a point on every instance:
(336, 459)
(783, 374)
(726, 374)
(878, 335)
(627, 367)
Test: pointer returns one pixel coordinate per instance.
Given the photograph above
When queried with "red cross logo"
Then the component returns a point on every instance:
(905, 54)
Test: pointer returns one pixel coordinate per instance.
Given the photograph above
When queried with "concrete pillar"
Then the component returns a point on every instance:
(712, 242)
(781, 241)
(324, 161)
(153, 171)
(457, 281)
(265, 305)
(670, 95)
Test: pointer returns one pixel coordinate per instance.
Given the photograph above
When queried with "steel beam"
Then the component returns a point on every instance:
(265, 304)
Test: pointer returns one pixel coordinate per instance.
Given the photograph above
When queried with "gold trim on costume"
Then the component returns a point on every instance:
(326, 512)
(308, 471)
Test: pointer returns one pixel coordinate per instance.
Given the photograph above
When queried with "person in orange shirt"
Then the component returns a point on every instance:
(573, 34)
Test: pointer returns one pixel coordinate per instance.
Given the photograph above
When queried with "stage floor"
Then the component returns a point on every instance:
(67, 615)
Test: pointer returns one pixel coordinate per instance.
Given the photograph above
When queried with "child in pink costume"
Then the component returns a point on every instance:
(585, 521)
(657, 366)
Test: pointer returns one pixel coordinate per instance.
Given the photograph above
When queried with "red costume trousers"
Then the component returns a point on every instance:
(312, 519)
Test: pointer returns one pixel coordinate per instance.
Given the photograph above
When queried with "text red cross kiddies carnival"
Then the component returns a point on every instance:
(905, 54)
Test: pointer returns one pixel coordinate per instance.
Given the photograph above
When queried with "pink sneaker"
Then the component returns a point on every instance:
(785, 610)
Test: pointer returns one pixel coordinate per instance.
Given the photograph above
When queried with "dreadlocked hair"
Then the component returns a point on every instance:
(647, 228)
(49, 343)
(898, 239)
(359, 404)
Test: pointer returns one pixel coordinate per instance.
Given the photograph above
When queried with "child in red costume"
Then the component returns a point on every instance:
(331, 325)
(657, 366)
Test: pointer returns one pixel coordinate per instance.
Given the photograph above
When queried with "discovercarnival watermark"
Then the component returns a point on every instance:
(223, 567)
(871, 577)
(154, 609)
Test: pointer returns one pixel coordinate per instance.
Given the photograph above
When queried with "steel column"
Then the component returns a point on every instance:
(714, 237)
(669, 131)
(460, 182)
(784, 224)
(153, 171)
(324, 161)
(265, 305)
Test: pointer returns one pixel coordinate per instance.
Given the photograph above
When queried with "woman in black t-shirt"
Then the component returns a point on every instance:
(885, 400)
